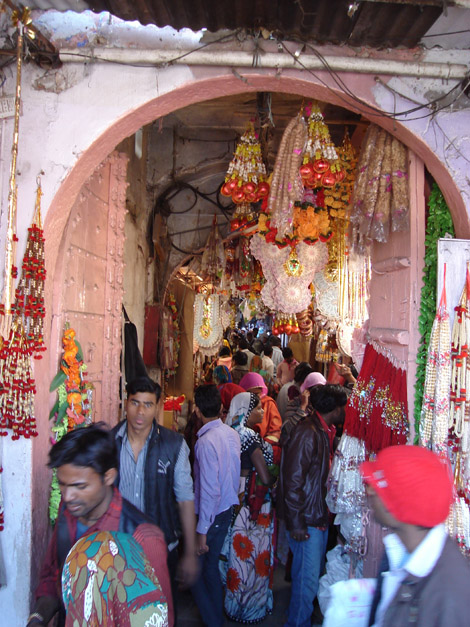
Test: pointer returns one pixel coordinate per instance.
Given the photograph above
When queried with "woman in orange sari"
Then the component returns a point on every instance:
(270, 427)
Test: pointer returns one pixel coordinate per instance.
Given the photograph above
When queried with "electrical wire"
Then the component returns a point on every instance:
(372, 110)
(176, 188)
(455, 32)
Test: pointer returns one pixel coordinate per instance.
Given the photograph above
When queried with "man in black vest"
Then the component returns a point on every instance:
(155, 476)
(86, 463)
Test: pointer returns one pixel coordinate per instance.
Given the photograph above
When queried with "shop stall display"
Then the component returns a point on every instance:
(444, 424)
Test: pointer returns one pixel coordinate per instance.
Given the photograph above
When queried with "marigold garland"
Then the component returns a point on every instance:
(73, 408)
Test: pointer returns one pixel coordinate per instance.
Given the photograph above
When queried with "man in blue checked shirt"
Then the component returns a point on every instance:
(216, 479)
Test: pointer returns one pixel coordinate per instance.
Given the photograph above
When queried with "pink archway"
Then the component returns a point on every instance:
(207, 87)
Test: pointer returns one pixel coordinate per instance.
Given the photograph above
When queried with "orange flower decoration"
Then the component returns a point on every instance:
(243, 546)
(264, 520)
(263, 564)
(233, 580)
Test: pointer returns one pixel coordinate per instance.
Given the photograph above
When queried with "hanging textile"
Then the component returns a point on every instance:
(167, 354)
(434, 422)
(377, 410)
(346, 496)
(380, 201)
(208, 332)
(133, 362)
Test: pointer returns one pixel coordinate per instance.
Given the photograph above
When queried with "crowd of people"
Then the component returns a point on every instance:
(146, 510)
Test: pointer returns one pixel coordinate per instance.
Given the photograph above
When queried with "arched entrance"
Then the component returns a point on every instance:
(206, 87)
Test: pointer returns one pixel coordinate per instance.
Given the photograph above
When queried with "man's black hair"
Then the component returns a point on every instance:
(240, 358)
(89, 447)
(207, 400)
(242, 344)
(268, 350)
(301, 371)
(287, 352)
(225, 351)
(326, 398)
(143, 384)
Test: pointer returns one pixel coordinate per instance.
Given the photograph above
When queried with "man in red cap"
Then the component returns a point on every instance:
(424, 579)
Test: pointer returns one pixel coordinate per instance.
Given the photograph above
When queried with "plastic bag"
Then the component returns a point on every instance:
(350, 604)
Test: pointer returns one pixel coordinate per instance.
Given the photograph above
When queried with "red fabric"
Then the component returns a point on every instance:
(153, 544)
(377, 410)
(414, 484)
(151, 333)
(228, 391)
(270, 427)
(330, 431)
(333, 376)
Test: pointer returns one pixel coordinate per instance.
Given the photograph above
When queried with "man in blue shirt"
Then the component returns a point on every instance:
(216, 478)
(155, 476)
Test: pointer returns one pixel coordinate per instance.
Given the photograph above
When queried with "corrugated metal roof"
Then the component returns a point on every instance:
(361, 23)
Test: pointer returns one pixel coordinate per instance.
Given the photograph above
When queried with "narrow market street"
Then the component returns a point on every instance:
(234, 312)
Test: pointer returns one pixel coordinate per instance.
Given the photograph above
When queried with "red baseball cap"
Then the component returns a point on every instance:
(414, 484)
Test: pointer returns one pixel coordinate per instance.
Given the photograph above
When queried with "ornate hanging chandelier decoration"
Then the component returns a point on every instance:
(321, 166)
(290, 222)
(246, 181)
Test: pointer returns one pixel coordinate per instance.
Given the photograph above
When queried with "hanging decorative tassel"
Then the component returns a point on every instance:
(245, 180)
(321, 165)
(17, 387)
(29, 295)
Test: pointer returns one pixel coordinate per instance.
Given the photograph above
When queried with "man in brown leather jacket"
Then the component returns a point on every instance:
(302, 491)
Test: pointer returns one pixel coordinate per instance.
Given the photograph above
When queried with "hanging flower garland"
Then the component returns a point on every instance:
(74, 406)
(245, 180)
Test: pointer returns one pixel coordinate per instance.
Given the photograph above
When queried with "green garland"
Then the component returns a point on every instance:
(439, 223)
